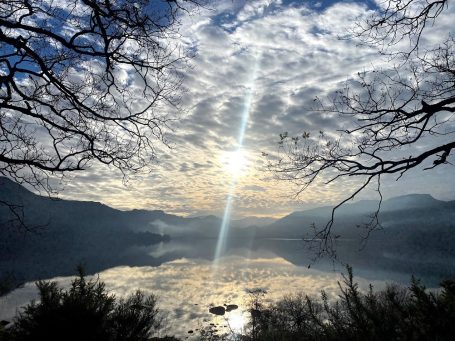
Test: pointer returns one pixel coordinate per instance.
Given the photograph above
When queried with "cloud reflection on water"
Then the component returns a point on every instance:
(187, 287)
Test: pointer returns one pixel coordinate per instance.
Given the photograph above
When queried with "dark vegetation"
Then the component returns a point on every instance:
(86, 311)
(395, 313)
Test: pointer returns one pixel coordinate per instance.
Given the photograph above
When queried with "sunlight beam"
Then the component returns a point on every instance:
(224, 230)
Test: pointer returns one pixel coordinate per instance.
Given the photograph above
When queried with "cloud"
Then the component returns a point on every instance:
(254, 188)
(298, 55)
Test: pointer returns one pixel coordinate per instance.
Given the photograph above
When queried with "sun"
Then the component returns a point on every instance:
(235, 162)
(236, 321)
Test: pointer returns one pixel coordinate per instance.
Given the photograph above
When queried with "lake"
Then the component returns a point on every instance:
(188, 281)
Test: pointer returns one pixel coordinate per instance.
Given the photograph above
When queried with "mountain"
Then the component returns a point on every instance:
(252, 221)
(60, 234)
(418, 235)
(64, 233)
(413, 201)
(420, 209)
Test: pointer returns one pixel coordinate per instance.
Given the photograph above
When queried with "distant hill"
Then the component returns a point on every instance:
(252, 221)
(418, 234)
(419, 209)
(65, 233)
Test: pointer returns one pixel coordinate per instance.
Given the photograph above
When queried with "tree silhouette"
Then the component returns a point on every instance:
(402, 116)
(84, 81)
(86, 311)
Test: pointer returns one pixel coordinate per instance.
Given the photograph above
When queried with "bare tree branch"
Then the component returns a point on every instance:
(85, 81)
(400, 117)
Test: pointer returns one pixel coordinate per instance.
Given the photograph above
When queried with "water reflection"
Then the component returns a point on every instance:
(188, 287)
(372, 262)
(181, 273)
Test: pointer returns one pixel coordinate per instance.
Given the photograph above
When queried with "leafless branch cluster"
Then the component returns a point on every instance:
(399, 118)
(398, 21)
(84, 81)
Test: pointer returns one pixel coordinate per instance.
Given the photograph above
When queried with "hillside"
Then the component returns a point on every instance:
(418, 234)
(63, 234)
(422, 210)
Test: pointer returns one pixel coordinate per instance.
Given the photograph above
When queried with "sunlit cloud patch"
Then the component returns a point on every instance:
(301, 57)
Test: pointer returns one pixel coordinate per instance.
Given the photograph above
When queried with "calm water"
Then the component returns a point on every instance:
(187, 281)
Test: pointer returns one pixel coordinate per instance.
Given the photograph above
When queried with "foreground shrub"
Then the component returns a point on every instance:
(85, 312)
(395, 313)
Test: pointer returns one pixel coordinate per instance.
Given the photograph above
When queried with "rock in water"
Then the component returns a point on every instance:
(217, 310)
(231, 307)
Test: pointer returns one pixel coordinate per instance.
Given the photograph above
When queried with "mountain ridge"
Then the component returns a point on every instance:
(104, 237)
(410, 200)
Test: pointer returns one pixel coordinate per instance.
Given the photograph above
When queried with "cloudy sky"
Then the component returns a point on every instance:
(258, 66)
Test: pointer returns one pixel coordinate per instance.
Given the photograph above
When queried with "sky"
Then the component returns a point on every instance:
(256, 69)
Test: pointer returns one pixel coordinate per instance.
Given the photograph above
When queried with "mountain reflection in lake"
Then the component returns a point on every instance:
(187, 283)
(371, 262)
(188, 287)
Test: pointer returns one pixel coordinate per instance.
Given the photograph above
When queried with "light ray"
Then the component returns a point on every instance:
(224, 230)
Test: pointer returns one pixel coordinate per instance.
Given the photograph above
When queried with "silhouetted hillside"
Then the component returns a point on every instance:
(418, 210)
(417, 235)
(64, 233)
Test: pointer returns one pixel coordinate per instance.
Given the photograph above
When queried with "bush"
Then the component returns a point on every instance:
(395, 313)
(85, 312)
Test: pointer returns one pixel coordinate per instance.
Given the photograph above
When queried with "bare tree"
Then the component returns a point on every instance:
(401, 117)
(84, 81)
